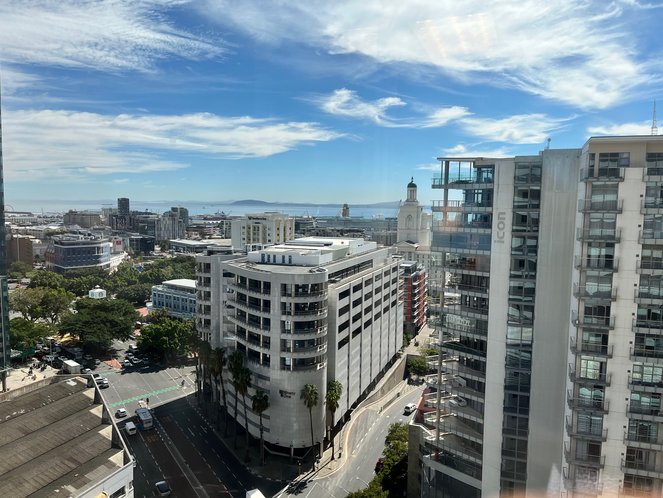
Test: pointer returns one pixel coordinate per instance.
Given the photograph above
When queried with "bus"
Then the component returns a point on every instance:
(145, 420)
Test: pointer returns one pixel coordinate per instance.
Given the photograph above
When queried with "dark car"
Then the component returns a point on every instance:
(162, 488)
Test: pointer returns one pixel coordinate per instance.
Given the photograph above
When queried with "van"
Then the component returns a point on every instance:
(130, 428)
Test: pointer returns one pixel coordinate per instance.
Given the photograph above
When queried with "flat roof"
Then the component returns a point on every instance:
(181, 282)
(53, 440)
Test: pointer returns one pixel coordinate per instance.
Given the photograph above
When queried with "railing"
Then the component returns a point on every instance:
(603, 174)
(606, 234)
(586, 434)
(245, 304)
(322, 293)
(649, 264)
(583, 459)
(600, 205)
(629, 492)
(252, 289)
(582, 486)
(647, 324)
(596, 264)
(640, 352)
(643, 409)
(648, 294)
(589, 404)
(647, 234)
(317, 348)
(595, 378)
(589, 348)
(651, 204)
(604, 291)
(462, 180)
(639, 465)
(450, 226)
(314, 312)
(482, 289)
(593, 321)
(440, 206)
(304, 331)
(642, 439)
(657, 384)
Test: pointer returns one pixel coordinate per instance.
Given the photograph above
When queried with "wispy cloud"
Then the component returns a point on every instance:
(518, 129)
(347, 103)
(569, 51)
(109, 36)
(642, 128)
(462, 150)
(68, 143)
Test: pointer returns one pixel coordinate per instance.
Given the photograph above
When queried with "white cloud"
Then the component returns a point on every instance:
(110, 35)
(346, 103)
(69, 143)
(518, 129)
(569, 51)
(461, 150)
(642, 128)
(429, 167)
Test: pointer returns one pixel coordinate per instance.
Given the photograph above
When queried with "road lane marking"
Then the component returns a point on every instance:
(142, 396)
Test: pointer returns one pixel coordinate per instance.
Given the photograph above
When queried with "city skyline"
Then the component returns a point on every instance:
(215, 101)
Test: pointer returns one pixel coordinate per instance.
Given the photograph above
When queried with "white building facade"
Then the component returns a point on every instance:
(255, 231)
(177, 297)
(306, 312)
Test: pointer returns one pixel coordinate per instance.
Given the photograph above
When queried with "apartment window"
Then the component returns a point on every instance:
(647, 374)
(527, 198)
(344, 294)
(343, 342)
(357, 287)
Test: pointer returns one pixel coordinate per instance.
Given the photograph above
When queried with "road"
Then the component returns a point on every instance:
(365, 443)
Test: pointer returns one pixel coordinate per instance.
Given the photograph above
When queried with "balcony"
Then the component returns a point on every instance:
(595, 435)
(651, 206)
(304, 350)
(593, 321)
(466, 311)
(473, 290)
(583, 459)
(649, 266)
(241, 304)
(609, 264)
(306, 332)
(649, 355)
(590, 377)
(602, 174)
(605, 292)
(643, 411)
(590, 348)
(645, 295)
(646, 384)
(653, 171)
(304, 314)
(605, 206)
(248, 325)
(475, 181)
(458, 226)
(651, 236)
(581, 486)
(461, 207)
(642, 468)
(599, 234)
(646, 442)
(587, 404)
(653, 327)
(253, 290)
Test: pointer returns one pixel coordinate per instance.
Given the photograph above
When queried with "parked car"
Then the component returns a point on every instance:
(104, 383)
(86, 371)
(126, 363)
(162, 488)
(136, 361)
(409, 408)
(121, 413)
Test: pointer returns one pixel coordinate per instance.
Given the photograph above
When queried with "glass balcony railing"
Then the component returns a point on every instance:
(587, 404)
(593, 321)
(463, 181)
(572, 430)
(602, 174)
(589, 376)
(648, 295)
(649, 236)
(638, 352)
(606, 291)
(591, 348)
(599, 234)
(606, 263)
(600, 205)
(581, 458)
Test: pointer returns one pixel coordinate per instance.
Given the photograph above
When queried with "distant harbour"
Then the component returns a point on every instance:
(381, 210)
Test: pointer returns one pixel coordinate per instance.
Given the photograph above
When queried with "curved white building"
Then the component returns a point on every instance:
(305, 312)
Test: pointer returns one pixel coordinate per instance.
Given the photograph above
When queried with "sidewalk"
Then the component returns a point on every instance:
(281, 467)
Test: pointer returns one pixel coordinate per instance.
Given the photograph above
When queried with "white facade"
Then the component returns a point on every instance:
(306, 312)
(177, 296)
(414, 224)
(261, 229)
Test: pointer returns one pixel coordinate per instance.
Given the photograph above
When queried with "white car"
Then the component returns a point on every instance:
(409, 408)
(121, 413)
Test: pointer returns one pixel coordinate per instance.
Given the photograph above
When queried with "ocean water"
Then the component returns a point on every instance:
(197, 208)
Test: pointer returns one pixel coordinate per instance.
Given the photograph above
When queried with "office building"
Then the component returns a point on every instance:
(255, 231)
(78, 251)
(83, 219)
(59, 438)
(177, 297)
(306, 312)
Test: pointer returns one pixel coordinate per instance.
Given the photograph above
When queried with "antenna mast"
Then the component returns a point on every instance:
(654, 128)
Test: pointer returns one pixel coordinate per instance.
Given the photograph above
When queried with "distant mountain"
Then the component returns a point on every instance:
(254, 202)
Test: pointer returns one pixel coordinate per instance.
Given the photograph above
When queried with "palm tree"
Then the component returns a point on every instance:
(259, 404)
(334, 391)
(310, 396)
(243, 384)
(194, 345)
(219, 364)
(235, 365)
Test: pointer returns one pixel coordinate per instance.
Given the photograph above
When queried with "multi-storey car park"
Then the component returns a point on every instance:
(304, 312)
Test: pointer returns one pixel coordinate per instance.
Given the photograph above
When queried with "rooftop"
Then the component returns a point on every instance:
(54, 440)
(181, 282)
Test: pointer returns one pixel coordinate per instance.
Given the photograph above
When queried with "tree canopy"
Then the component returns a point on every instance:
(97, 322)
(166, 338)
(24, 334)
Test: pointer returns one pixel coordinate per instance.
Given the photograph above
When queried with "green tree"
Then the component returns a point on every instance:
(48, 279)
(393, 476)
(55, 303)
(137, 294)
(260, 404)
(417, 365)
(27, 302)
(218, 364)
(374, 490)
(24, 334)
(332, 398)
(19, 269)
(165, 339)
(235, 365)
(125, 275)
(98, 321)
(311, 397)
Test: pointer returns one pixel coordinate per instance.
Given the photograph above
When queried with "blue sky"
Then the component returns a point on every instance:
(315, 101)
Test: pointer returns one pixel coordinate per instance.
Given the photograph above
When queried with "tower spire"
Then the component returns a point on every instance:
(654, 128)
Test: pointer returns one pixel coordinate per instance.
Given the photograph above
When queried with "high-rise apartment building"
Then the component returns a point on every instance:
(551, 370)
(255, 231)
(305, 312)
(5, 349)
